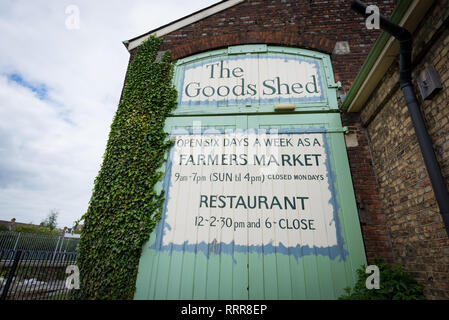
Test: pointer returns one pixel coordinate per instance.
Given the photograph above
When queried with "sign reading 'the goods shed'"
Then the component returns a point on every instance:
(244, 190)
(251, 79)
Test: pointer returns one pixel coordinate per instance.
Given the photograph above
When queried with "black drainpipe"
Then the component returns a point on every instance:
(405, 80)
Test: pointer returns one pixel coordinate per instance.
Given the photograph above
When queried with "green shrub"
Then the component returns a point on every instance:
(37, 230)
(395, 284)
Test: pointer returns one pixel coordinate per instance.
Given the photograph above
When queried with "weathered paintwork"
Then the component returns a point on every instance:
(220, 269)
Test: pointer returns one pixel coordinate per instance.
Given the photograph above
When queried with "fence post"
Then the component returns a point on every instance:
(11, 274)
(17, 241)
(54, 253)
(62, 243)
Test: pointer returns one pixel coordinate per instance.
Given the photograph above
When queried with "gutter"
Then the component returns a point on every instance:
(405, 39)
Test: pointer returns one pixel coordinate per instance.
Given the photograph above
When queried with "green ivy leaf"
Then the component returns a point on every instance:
(124, 209)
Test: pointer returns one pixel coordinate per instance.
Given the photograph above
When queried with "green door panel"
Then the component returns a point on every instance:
(181, 274)
(186, 275)
(313, 276)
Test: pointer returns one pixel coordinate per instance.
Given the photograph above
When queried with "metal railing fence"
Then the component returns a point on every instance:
(34, 275)
(33, 266)
(36, 242)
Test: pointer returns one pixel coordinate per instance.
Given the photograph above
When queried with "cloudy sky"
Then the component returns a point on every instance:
(59, 90)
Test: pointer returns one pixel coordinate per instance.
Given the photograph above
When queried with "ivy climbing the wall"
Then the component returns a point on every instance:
(124, 207)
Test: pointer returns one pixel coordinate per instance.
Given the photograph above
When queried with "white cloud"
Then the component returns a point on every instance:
(51, 149)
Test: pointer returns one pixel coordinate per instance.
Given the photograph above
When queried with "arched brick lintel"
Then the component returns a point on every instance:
(305, 41)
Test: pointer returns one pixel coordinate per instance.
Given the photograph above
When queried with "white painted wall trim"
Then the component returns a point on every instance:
(183, 22)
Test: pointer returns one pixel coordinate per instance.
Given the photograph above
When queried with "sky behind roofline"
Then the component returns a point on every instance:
(59, 90)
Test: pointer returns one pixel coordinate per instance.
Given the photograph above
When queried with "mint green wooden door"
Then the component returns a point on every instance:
(265, 271)
(314, 275)
(183, 274)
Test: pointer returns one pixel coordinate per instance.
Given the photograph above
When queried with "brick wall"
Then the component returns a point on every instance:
(417, 233)
(310, 24)
(372, 218)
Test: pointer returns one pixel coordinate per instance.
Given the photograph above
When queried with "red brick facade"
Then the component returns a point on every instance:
(315, 25)
(308, 24)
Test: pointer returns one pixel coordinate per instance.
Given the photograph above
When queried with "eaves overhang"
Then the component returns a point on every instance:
(180, 23)
(408, 14)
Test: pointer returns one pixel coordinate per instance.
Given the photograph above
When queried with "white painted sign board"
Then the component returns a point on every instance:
(245, 188)
(251, 79)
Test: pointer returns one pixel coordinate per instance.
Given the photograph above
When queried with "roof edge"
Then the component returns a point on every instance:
(182, 22)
